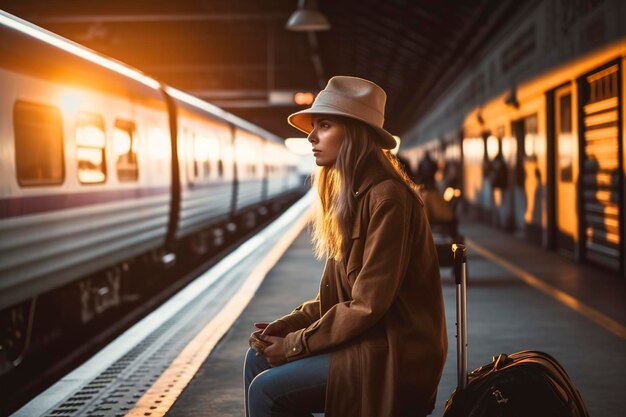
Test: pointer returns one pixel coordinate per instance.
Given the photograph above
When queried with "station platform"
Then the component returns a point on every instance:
(505, 314)
(519, 297)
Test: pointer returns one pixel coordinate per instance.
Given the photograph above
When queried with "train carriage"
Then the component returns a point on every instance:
(280, 168)
(249, 152)
(206, 170)
(85, 177)
(106, 177)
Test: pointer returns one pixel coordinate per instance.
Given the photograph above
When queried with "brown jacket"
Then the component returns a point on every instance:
(379, 312)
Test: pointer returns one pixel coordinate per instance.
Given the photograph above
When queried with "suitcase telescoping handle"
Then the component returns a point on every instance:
(460, 276)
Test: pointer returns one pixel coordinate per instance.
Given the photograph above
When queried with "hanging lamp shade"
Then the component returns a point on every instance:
(307, 20)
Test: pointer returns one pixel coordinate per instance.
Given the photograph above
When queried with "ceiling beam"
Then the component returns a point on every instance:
(181, 68)
(229, 94)
(157, 18)
(246, 104)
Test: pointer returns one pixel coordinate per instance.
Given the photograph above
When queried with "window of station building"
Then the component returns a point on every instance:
(39, 157)
(90, 148)
(125, 151)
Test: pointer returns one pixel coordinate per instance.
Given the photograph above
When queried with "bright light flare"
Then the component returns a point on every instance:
(74, 48)
(303, 98)
(70, 101)
(299, 146)
(451, 193)
(206, 148)
(121, 141)
(394, 151)
(90, 135)
(492, 147)
(473, 149)
(159, 143)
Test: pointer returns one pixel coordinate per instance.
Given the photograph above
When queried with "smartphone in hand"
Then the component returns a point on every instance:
(256, 343)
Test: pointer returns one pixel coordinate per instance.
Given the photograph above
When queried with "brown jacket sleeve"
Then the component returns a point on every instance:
(305, 314)
(385, 260)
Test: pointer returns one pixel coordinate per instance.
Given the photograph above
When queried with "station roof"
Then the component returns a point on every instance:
(238, 55)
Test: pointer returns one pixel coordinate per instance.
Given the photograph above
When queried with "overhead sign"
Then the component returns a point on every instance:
(290, 97)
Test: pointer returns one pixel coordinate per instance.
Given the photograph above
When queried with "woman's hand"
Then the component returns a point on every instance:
(256, 343)
(273, 333)
(275, 328)
(275, 352)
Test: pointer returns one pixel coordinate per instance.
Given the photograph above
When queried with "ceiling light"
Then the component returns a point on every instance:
(307, 18)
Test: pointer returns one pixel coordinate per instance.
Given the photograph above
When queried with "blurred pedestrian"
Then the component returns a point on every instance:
(499, 171)
(426, 171)
(373, 342)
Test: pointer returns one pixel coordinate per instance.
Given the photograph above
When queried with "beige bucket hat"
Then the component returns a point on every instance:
(350, 97)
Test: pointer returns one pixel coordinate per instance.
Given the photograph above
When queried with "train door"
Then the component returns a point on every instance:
(563, 216)
(601, 181)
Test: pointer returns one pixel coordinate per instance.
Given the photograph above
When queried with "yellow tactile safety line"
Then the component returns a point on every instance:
(161, 396)
(591, 313)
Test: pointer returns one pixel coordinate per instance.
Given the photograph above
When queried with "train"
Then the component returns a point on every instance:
(103, 168)
(531, 133)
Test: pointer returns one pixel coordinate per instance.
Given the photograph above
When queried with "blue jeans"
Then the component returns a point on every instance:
(296, 388)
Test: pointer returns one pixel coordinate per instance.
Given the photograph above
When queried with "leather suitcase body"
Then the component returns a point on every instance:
(522, 384)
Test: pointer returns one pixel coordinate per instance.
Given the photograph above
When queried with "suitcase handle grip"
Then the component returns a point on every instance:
(460, 257)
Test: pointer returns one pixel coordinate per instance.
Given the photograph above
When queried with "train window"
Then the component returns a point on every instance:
(90, 148)
(38, 144)
(205, 152)
(201, 166)
(125, 150)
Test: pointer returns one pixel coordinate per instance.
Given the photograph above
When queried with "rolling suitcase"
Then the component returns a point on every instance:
(522, 384)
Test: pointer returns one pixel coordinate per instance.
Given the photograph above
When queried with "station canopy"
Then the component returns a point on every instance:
(239, 55)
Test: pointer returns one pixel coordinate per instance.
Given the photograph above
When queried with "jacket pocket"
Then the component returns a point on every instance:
(355, 260)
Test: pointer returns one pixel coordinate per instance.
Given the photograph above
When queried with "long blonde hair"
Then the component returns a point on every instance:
(332, 225)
